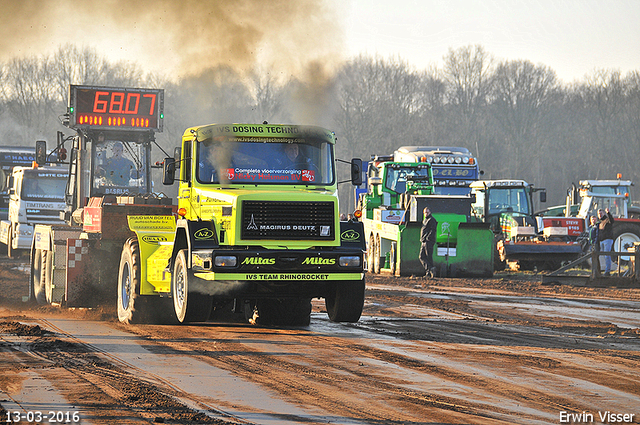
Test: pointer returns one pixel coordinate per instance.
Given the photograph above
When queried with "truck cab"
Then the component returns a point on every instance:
(36, 196)
(258, 226)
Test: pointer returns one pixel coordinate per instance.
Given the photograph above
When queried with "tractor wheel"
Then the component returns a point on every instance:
(130, 304)
(189, 305)
(35, 278)
(499, 255)
(624, 236)
(345, 301)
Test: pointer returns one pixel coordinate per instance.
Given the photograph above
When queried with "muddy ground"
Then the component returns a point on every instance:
(502, 350)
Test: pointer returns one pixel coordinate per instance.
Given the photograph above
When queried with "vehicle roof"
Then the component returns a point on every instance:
(279, 131)
(498, 183)
(612, 183)
(433, 149)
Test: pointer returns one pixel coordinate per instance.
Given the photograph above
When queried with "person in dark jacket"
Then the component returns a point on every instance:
(605, 237)
(593, 231)
(428, 235)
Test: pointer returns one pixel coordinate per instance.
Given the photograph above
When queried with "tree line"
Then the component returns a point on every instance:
(517, 117)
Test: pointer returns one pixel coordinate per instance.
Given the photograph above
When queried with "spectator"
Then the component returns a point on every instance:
(428, 235)
(605, 237)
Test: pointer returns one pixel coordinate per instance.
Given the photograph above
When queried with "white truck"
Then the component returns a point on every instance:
(36, 196)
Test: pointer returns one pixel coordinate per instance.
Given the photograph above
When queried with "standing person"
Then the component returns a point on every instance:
(605, 237)
(428, 235)
(593, 231)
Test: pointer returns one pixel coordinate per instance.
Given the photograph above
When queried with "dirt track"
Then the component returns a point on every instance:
(503, 350)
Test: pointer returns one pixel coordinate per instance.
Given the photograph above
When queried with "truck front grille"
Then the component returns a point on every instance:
(287, 220)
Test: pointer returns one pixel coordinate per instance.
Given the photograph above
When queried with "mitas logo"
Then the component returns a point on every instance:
(258, 260)
(154, 239)
(318, 260)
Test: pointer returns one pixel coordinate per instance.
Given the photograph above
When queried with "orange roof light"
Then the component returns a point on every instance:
(619, 176)
(182, 212)
(357, 213)
(423, 159)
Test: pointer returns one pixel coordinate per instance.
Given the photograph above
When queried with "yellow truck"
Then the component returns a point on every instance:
(258, 231)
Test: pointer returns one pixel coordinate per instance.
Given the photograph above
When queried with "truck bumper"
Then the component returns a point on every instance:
(282, 273)
(23, 236)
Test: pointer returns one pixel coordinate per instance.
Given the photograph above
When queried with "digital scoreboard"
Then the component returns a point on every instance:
(116, 108)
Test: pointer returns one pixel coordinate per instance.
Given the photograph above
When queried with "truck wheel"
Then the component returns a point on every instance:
(35, 282)
(624, 236)
(345, 301)
(129, 302)
(47, 275)
(189, 305)
(392, 258)
(376, 256)
(371, 252)
(10, 250)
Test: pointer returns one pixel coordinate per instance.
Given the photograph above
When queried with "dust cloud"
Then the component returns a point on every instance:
(281, 40)
(180, 36)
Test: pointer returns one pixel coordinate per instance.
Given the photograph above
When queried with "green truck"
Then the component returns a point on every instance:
(392, 217)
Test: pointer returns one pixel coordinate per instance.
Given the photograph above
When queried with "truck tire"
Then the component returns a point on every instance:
(371, 252)
(376, 256)
(10, 250)
(189, 305)
(345, 301)
(392, 258)
(130, 303)
(624, 236)
(35, 278)
(47, 275)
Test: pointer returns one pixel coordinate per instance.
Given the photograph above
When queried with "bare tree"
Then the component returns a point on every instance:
(520, 94)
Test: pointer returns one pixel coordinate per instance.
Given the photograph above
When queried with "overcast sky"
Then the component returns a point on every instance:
(573, 37)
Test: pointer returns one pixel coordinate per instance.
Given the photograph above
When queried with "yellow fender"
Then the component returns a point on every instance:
(156, 234)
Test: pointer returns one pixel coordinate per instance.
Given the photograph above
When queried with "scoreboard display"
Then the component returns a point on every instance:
(116, 108)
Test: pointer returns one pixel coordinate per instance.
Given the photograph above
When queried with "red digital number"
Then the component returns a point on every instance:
(100, 105)
(153, 102)
(130, 97)
(117, 101)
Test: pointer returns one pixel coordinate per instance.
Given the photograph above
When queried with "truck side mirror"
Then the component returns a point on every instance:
(169, 175)
(41, 152)
(543, 196)
(176, 156)
(356, 171)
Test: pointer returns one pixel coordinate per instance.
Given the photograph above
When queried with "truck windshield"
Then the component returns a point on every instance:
(119, 167)
(43, 186)
(295, 161)
(509, 200)
(397, 177)
(615, 204)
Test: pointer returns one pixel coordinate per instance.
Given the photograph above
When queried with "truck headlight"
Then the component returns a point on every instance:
(225, 261)
(350, 261)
